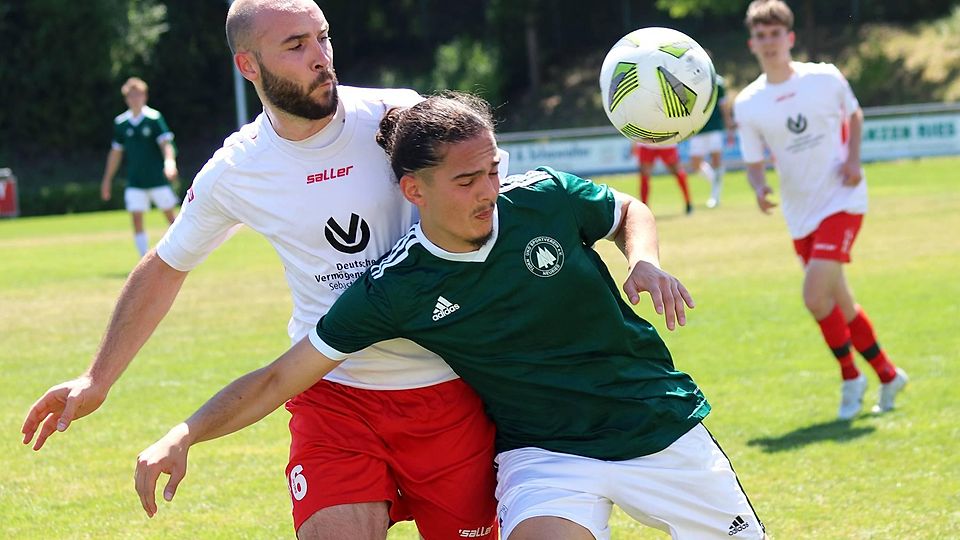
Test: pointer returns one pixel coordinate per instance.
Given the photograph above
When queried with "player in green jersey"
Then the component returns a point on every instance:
(503, 282)
(141, 134)
(710, 140)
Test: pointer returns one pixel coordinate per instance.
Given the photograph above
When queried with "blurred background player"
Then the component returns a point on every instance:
(808, 117)
(646, 155)
(710, 141)
(141, 134)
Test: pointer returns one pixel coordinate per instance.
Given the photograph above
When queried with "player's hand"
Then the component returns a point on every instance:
(170, 170)
(765, 204)
(59, 406)
(851, 172)
(105, 192)
(666, 291)
(166, 456)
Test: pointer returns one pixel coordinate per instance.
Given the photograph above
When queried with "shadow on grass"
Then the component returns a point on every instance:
(834, 430)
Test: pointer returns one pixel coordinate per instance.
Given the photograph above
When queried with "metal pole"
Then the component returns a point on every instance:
(239, 92)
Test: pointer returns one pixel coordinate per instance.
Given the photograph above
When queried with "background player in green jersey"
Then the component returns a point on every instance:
(709, 142)
(503, 283)
(141, 134)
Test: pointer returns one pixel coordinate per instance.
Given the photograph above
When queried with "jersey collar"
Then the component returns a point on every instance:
(477, 256)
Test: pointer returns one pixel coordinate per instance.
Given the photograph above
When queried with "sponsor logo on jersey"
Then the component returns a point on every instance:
(543, 256)
(329, 174)
(146, 131)
(785, 97)
(190, 195)
(129, 132)
(737, 526)
(353, 239)
(798, 125)
(479, 532)
(444, 307)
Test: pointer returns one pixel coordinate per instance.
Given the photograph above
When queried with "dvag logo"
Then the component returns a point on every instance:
(353, 239)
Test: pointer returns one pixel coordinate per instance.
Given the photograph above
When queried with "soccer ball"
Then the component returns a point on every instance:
(658, 86)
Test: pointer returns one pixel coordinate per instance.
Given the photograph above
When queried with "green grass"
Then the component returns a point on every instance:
(749, 344)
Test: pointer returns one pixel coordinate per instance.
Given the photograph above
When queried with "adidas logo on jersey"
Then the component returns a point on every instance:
(738, 525)
(444, 308)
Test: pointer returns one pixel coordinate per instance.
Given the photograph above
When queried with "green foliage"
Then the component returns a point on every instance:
(679, 9)
(467, 65)
(892, 64)
(140, 32)
(69, 198)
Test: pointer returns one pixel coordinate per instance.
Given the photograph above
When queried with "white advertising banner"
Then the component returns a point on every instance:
(883, 139)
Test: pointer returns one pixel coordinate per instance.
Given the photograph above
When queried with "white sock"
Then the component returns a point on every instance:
(717, 182)
(707, 171)
(142, 242)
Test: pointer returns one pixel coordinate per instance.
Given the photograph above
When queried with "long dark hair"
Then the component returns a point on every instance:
(413, 136)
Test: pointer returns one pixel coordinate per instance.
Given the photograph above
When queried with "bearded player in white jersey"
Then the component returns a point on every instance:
(309, 176)
(808, 117)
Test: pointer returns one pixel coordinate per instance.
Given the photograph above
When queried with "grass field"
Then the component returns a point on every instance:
(749, 344)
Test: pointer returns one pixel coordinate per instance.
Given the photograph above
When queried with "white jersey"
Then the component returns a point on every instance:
(329, 212)
(802, 121)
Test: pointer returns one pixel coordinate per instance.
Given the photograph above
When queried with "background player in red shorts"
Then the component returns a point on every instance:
(646, 155)
(809, 118)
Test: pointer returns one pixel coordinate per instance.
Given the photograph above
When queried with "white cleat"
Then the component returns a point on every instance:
(889, 391)
(712, 203)
(851, 397)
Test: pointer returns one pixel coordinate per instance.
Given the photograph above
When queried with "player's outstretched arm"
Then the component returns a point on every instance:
(637, 239)
(852, 172)
(757, 176)
(145, 300)
(243, 402)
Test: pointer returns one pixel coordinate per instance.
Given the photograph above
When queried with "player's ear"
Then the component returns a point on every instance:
(410, 187)
(247, 65)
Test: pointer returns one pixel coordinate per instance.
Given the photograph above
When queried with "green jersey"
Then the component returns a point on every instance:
(715, 122)
(140, 137)
(533, 322)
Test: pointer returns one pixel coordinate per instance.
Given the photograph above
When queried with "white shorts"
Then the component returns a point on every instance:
(688, 490)
(138, 199)
(702, 144)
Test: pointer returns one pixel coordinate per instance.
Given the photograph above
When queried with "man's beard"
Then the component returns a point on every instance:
(481, 241)
(286, 95)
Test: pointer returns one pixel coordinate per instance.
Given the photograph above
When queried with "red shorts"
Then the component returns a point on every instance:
(669, 155)
(427, 451)
(832, 240)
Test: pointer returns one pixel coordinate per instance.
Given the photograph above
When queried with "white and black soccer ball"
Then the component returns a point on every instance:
(658, 86)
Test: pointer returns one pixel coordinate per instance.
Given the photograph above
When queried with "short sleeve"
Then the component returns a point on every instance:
(595, 206)
(847, 97)
(751, 141)
(202, 225)
(119, 136)
(164, 131)
(359, 318)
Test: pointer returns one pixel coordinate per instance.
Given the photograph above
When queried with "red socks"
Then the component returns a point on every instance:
(865, 341)
(837, 335)
(644, 188)
(682, 181)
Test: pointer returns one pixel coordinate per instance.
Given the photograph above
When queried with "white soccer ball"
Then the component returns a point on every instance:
(658, 86)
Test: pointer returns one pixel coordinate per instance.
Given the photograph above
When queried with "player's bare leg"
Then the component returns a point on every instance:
(169, 215)
(549, 528)
(822, 280)
(359, 521)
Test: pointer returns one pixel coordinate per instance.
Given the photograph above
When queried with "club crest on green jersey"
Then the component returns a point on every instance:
(543, 256)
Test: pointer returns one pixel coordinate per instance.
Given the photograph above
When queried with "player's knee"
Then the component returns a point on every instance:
(360, 521)
(818, 304)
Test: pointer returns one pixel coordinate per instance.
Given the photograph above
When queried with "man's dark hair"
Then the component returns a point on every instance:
(413, 136)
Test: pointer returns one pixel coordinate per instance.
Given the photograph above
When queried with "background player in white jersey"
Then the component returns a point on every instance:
(308, 175)
(709, 142)
(141, 134)
(809, 118)
(504, 283)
